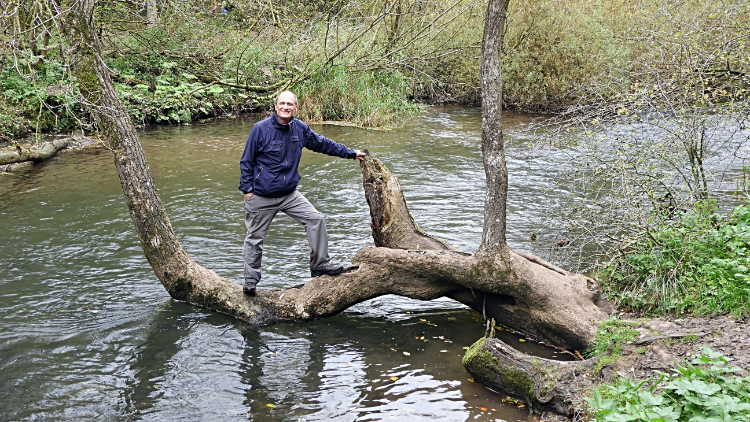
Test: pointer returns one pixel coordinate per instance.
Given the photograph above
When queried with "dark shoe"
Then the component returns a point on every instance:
(327, 269)
(249, 288)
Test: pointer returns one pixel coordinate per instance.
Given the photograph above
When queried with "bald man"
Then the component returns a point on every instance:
(269, 178)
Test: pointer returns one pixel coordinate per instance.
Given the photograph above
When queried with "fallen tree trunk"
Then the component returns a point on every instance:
(543, 385)
(37, 154)
(518, 290)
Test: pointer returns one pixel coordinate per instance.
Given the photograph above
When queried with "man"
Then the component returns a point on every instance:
(269, 177)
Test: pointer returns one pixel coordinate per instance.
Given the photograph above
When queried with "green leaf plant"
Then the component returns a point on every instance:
(703, 390)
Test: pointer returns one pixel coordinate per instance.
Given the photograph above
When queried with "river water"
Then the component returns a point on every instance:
(88, 333)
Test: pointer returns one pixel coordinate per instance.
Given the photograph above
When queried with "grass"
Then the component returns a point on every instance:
(371, 99)
(697, 265)
(611, 336)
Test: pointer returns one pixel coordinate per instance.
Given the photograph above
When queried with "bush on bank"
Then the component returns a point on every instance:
(698, 264)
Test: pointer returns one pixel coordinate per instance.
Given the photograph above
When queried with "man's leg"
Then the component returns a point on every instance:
(299, 208)
(259, 212)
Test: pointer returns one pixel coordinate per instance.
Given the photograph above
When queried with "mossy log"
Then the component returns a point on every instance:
(543, 385)
(36, 154)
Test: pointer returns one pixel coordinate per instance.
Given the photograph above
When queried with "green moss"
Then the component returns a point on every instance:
(484, 364)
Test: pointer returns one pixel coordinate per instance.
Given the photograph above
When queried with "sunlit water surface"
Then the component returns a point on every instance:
(88, 333)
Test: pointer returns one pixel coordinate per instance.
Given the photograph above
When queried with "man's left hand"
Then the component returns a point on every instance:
(360, 155)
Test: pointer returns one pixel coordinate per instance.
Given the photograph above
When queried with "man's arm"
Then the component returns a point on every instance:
(320, 143)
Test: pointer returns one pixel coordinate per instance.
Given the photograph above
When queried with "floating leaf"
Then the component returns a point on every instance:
(443, 351)
(407, 354)
(271, 405)
(471, 380)
(521, 340)
(465, 347)
(394, 378)
(483, 409)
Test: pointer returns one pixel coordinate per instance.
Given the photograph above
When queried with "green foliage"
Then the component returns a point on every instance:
(696, 265)
(358, 54)
(35, 97)
(703, 391)
(370, 99)
(546, 69)
(611, 336)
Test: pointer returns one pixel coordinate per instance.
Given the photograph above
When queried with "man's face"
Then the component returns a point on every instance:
(285, 107)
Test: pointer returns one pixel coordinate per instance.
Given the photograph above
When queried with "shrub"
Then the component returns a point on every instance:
(696, 265)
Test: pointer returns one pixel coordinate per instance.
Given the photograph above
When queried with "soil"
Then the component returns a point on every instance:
(664, 342)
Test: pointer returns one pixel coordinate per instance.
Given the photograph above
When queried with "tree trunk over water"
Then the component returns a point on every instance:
(518, 290)
(493, 151)
(543, 385)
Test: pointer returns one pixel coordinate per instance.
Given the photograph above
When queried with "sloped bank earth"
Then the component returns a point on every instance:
(557, 389)
(662, 344)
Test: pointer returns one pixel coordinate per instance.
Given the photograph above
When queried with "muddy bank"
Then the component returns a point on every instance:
(556, 390)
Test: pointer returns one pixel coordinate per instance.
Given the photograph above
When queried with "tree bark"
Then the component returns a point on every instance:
(543, 385)
(493, 152)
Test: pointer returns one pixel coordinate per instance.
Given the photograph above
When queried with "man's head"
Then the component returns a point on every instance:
(285, 105)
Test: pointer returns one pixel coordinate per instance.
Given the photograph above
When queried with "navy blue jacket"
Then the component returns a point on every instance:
(269, 164)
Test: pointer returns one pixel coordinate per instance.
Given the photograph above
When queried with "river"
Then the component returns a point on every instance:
(87, 333)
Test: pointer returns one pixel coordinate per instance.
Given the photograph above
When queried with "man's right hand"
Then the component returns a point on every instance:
(248, 195)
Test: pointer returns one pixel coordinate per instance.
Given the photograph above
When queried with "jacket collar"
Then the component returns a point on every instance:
(279, 125)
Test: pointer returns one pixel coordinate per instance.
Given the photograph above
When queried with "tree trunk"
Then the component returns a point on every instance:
(495, 170)
(543, 385)
(151, 12)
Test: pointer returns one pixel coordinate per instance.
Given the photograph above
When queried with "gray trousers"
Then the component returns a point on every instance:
(260, 211)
